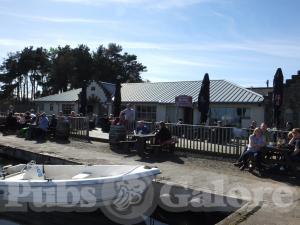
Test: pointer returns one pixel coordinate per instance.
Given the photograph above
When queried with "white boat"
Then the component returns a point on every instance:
(75, 185)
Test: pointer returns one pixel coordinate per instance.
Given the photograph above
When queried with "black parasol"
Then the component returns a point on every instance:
(117, 99)
(277, 96)
(83, 98)
(203, 98)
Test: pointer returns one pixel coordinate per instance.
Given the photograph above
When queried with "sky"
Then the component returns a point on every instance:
(242, 41)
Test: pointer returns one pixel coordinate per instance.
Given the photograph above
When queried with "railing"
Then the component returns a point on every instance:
(77, 126)
(214, 139)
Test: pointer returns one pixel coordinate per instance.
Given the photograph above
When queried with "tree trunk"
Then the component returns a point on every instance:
(24, 89)
(18, 91)
(27, 88)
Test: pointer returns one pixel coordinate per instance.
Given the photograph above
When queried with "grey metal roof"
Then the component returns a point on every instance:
(72, 95)
(221, 91)
(68, 96)
(109, 87)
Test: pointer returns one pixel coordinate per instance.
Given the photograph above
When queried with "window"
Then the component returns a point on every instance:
(51, 107)
(41, 107)
(243, 113)
(146, 112)
(230, 116)
(93, 88)
(67, 108)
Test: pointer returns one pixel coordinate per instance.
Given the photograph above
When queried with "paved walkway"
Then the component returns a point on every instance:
(213, 175)
(97, 133)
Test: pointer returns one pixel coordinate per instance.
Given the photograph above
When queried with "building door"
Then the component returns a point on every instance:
(188, 115)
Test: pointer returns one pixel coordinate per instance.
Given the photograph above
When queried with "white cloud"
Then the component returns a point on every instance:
(59, 19)
(159, 4)
(274, 48)
(167, 61)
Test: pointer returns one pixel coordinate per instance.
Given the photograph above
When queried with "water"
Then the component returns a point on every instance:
(159, 217)
(5, 161)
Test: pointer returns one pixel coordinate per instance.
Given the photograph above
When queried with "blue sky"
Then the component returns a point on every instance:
(243, 41)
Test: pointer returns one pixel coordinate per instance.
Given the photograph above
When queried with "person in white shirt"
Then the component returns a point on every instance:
(129, 116)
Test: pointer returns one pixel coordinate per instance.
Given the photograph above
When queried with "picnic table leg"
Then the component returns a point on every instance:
(291, 165)
(141, 144)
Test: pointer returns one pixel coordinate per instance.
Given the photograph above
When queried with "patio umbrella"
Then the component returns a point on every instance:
(203, 98)
(83, 98)
(117, 99)
(277, 96)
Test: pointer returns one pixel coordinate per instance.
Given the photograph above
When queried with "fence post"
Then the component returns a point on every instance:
(87, 127)
(237, 150)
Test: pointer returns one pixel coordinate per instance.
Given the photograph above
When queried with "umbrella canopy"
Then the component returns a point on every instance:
(277, 96)
(117, 99)
(203, 98)
(83, 98)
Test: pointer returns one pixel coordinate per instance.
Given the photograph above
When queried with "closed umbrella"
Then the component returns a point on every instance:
(203, 98)
(117, 99)
(83, 98)
(277, 96)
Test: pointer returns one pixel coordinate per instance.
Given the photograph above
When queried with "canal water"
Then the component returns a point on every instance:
(159, 217)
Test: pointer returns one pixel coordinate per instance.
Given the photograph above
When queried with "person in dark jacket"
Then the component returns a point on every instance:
(10, 124)
(163, 136)
(53, 124)
(295, 142)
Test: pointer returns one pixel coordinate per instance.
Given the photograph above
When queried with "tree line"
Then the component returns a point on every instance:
(36, 72)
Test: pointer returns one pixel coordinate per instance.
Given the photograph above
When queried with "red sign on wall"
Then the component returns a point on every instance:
(184, 101)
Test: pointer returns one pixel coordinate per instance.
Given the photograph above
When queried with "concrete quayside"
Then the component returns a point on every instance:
(199, 184)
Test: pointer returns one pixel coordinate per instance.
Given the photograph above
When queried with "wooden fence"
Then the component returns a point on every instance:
(75, 126)
(213, 139)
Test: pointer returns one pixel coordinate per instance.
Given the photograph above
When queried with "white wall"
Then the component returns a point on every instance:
(98, 92)
(173, 113)
(196, 117)
(165, 112)
(258, 114)
(57, 106)
(160, 112)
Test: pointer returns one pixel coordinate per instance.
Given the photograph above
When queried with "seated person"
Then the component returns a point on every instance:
(116, 121)
(53, 124)
(163, 136)
(43, 126)
(63, 126)
(21, 121)
(27, 117)
(295, 141)
(33, 116)
(290, 140)
(10, 123)
(105, 123)
(253, 125)
(141, 128)
(265, 132)
(256, 142)
(122, 119)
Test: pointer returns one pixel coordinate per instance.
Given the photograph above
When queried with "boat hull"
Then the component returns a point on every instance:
(87, 193)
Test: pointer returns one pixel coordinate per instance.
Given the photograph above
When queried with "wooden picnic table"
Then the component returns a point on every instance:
(141, 142)
(277, 155)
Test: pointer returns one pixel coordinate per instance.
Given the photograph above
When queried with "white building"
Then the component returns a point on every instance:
(99, 95)
(230, 103)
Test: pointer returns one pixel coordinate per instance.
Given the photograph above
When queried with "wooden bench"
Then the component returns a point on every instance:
(170, 146)
(127, 145)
